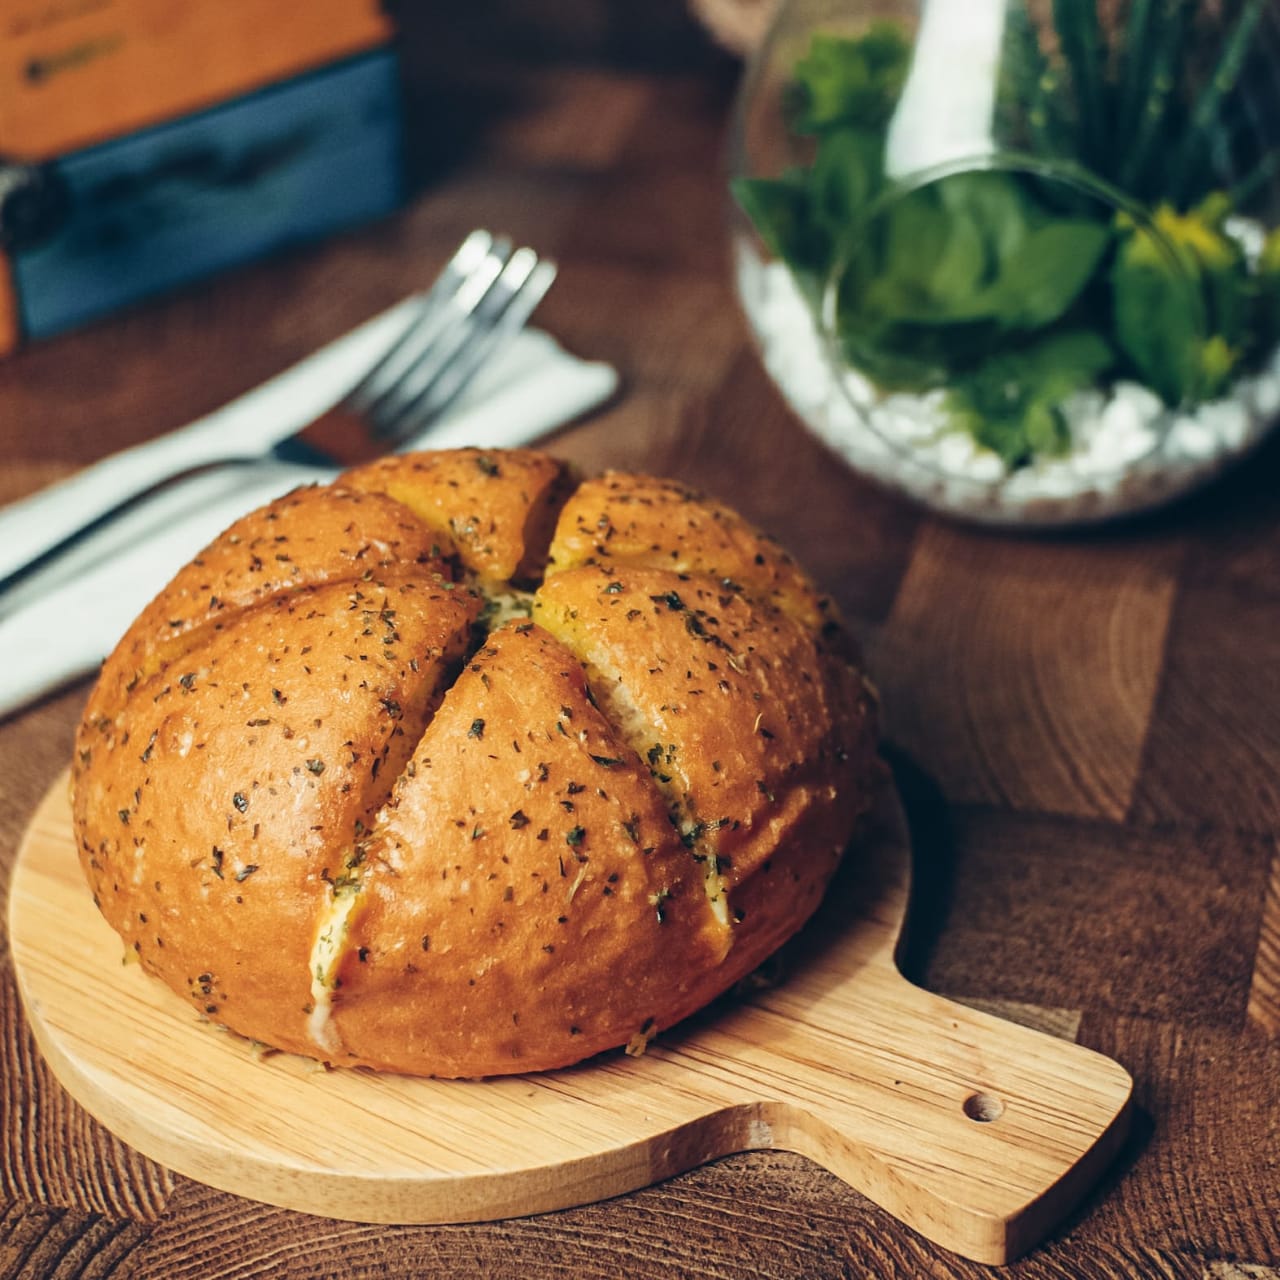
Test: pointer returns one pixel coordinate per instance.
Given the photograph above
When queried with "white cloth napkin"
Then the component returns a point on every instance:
(58, 624)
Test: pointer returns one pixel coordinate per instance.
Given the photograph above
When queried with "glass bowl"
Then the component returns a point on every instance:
(1017, 260)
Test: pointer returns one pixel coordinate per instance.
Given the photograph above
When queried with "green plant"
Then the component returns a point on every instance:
(1013, 292)
(1137, 106)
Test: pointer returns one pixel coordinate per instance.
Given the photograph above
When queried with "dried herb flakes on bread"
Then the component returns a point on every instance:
(458, 767)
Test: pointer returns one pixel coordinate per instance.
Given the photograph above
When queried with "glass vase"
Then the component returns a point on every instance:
(1017, 260)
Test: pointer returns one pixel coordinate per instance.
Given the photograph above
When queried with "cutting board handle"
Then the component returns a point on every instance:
(979, 1133)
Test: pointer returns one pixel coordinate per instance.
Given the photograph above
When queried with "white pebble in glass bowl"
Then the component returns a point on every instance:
(1129, 452)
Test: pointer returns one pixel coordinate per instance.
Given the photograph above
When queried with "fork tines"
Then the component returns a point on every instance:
(482, 298)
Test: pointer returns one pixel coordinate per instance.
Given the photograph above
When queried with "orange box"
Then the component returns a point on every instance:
(77, 72)
(9, 330)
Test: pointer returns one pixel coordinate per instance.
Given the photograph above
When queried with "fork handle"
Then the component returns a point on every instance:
(32, 530)
(38, 527)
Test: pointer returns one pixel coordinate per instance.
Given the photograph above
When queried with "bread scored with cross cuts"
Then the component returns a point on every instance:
(458, 767)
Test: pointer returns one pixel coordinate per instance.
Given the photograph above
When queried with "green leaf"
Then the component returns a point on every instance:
(1048, 270)
(1044, 369)
(1080, 37)
(1045, 429)
(915, 239)
(1155, 323)
(932, 256)
(903, 295)
(972, 251)
(1068, 360)
(997, 203)
(1218, 363)
(841, 81)
(1267, 293)
(953, 267)
(1133, 57)
(1159, 116)
(1185, 316)
(958, 271)
(781, 209)
(1221, 262)
(1011, 402)
(1207, 111)
(848, 173)
(1269, 259)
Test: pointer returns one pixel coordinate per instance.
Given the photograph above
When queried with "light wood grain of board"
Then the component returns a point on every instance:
(977, 1132)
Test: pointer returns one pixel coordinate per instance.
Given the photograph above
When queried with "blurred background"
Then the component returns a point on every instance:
(239, 184)
(144, 146)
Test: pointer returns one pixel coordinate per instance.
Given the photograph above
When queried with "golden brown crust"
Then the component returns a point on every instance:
(548, 845)
(309, 536)
(223, 798)
(491, 506)
(644, 520)
(320, 803)
(744, 720)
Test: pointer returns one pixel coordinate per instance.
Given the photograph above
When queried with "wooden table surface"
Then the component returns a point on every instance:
(1088, 725)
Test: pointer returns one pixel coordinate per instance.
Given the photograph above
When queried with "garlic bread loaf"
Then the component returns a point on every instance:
(460, 767)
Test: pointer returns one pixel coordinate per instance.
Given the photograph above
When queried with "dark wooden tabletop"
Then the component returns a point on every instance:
(1087, 726)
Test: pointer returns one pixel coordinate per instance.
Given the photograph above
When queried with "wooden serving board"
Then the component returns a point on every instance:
(978, 1133)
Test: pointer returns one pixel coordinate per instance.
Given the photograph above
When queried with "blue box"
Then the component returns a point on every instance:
(153, 210)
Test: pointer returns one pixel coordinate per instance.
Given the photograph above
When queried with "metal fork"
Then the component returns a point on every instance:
(482, 298)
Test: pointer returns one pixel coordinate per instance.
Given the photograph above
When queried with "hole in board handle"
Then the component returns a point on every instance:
(983, 1107)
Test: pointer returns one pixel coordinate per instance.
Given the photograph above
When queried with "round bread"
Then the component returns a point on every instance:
(458, 767)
